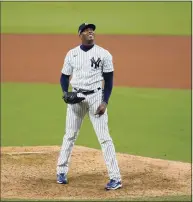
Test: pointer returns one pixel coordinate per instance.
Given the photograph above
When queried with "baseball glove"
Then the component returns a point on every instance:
(72, 98)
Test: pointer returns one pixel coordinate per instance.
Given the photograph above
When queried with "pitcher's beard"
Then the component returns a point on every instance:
(90, 42)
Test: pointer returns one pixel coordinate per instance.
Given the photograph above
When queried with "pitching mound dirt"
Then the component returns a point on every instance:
(29, 173)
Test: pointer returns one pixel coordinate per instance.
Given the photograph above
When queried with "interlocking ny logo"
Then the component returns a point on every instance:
(96, 63)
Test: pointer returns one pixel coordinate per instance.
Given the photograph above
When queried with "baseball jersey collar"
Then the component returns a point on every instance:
(86, 48)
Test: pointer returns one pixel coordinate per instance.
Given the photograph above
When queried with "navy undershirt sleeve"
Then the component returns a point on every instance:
(64, 82)
(108, 77)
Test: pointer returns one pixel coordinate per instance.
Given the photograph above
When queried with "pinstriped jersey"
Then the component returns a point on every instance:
(87, 67)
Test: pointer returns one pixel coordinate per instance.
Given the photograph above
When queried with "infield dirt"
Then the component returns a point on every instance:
(139, 61)
(29, 175)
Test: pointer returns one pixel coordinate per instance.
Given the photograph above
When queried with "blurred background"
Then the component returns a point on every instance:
(150, 107)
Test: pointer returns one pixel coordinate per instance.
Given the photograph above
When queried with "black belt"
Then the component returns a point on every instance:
(87, 92)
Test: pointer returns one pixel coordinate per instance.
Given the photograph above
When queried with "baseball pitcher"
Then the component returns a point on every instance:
(88, 65)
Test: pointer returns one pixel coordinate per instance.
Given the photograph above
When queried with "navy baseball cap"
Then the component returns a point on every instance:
(84, 26)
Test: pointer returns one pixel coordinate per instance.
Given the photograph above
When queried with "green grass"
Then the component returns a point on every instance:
(159, 18)
(157, 198)
(163, 198)
(146, 122)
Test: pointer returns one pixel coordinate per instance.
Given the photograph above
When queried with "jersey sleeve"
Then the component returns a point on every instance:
(108, 63)
(67, 67)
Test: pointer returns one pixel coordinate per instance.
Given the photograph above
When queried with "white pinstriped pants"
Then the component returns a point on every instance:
(74, 118)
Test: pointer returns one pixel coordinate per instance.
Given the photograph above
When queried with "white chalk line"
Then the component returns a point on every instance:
(23, 153)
